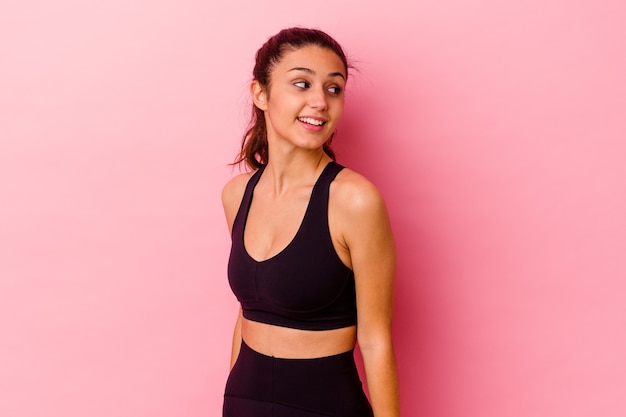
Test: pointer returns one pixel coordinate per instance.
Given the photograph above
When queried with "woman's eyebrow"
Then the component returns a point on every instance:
(310, 71)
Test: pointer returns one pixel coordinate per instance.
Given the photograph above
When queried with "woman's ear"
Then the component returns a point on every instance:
(259, 95)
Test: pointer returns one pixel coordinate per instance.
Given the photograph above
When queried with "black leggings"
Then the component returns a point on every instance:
(264, 386)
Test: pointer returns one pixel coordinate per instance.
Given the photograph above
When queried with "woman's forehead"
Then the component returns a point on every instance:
(312, 59)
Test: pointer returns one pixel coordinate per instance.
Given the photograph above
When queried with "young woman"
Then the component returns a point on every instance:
(312, 258)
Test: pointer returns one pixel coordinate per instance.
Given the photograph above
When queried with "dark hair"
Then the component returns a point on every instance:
(254, 144)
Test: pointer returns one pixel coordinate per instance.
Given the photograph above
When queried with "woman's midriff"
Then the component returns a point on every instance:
(284, 342)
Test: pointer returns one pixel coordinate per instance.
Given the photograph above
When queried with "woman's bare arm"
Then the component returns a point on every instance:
(236, 341)
(368, 238)
(231, 199)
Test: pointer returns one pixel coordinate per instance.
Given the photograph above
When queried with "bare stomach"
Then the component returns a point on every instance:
(284, 342)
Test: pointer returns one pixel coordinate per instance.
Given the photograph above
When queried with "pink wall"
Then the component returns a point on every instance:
(494, 129)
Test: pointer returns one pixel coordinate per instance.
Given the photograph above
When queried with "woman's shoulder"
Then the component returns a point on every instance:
(237, 184)
(233, 191)
(355, 193)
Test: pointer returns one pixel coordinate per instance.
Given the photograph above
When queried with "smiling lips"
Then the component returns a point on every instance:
(312, 121)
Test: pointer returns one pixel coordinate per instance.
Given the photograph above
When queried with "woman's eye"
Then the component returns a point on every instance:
(335, 90)
(301, 84)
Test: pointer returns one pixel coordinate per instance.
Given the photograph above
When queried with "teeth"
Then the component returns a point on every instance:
(311, 121)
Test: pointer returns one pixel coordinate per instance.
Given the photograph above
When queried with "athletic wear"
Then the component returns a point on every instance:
(263, 386)
(305, 286)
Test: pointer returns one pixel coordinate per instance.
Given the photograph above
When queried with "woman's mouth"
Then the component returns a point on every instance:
(311, 121)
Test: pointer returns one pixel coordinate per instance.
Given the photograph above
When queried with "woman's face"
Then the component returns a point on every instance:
(306, 97)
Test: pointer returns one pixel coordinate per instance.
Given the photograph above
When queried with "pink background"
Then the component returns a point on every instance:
(494, 129)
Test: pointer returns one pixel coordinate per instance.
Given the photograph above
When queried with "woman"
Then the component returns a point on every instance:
(312, 252)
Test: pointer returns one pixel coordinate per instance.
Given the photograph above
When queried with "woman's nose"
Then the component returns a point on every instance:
(317, 99)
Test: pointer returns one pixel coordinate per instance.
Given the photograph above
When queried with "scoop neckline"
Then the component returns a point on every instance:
(302, 222)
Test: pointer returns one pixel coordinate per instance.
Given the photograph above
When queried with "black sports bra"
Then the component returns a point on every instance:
(305, 286)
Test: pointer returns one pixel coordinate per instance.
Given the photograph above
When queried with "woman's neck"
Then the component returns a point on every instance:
(294, 170)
